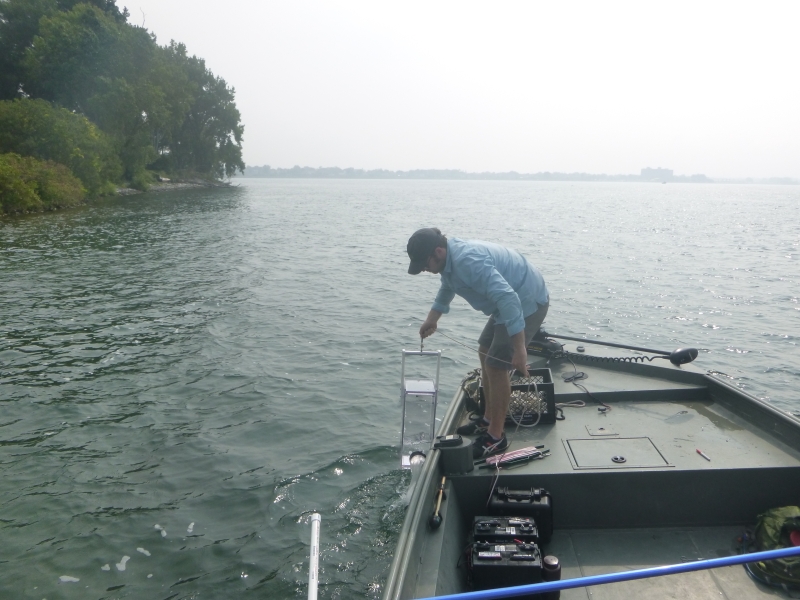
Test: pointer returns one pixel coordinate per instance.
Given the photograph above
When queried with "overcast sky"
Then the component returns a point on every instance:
(598, 87)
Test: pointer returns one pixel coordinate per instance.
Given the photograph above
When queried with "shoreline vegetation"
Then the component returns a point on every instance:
(91, 105)
(298, 172)
(174, 185)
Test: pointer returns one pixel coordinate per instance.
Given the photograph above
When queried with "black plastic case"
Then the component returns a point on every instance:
(535, 503)
(505, 565)
(505, 530)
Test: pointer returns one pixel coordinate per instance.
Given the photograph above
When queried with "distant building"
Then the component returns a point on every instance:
(659, 173)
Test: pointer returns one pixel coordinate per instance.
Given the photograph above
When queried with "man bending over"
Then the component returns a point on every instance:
(502, 284)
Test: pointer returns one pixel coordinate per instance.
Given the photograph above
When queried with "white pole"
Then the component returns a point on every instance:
(313, 562)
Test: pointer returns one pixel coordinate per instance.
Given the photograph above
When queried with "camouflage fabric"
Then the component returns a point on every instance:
(772, 532)
(471, 385)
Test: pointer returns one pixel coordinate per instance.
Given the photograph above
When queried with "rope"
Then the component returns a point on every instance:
(473, 349)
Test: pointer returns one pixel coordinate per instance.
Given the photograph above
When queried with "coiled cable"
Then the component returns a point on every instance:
(628, 359)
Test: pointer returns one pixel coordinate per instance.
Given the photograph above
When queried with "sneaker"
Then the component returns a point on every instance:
(476, 425)
(485, 445)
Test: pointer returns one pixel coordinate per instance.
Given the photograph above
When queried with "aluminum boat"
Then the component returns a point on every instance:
(675, 469)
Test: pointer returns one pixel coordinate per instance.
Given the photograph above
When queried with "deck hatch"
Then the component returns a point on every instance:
(605, 453)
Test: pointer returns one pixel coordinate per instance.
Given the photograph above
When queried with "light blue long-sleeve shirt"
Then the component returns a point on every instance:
(494, 280)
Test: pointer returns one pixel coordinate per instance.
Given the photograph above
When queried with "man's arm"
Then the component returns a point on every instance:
(444, 297)
(429, 326)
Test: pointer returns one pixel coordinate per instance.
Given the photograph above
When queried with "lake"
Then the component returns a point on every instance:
(185, 377)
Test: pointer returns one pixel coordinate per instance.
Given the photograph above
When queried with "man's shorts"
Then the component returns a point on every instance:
(495, 337)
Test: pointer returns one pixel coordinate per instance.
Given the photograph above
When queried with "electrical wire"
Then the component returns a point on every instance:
(522, 416)
(519, 423)
(510, 437)
(559, 407)
(496, 477)
(579, 375)
(486, 354)
(574, 378)
(628, 359)
(536, 388)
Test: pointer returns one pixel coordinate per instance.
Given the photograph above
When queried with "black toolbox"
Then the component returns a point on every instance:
(505, 565)
(534, 503)
(505, 530)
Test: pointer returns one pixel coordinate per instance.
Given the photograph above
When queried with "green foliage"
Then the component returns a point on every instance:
(36, 128)
(19, 24)
(142, 181)
(28, 185)
(87, 61)
(159, 107)
(209, 139)
(109, 7)
(16, 194)
(67, 53)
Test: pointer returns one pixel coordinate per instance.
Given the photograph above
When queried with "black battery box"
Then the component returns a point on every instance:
(534, 503)
(505, 530)
(505, 565)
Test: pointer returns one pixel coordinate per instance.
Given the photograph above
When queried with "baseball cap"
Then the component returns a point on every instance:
(420, 247)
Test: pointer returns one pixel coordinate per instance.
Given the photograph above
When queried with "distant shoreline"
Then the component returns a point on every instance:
(298, 172)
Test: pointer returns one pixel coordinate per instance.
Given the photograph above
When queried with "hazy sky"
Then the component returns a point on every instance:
(599, 87)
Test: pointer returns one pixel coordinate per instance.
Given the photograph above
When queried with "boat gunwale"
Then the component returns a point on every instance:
(414, 511)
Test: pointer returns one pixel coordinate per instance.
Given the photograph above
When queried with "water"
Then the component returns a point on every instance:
(186, 377)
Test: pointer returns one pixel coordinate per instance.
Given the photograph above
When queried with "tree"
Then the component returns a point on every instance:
(209, 137)
(158, 107)
(19, 24)
(87, 61)
(36, 128)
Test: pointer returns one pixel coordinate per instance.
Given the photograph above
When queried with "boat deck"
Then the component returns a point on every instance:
(664, 504)
(595, 552)
(656, 425)
(675, 427)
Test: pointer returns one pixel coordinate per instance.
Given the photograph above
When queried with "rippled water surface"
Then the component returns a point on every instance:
(186, 377)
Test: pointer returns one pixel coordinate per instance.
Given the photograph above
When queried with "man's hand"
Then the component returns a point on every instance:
(520, 363)
(429, 326)
(520, 358)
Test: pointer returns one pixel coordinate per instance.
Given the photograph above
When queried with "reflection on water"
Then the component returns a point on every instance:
(186, 377)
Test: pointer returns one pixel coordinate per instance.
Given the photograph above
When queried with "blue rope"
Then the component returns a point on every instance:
(566, 584)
